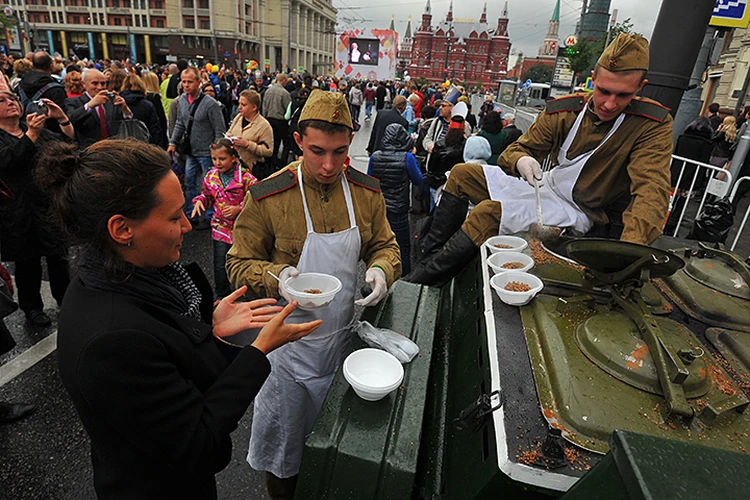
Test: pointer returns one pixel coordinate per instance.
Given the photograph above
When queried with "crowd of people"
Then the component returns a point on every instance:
(263, 161)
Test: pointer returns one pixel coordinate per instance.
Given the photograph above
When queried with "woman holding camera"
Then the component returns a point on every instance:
(26, 234)
(136, 348)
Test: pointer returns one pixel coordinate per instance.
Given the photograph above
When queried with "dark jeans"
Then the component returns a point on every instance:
(29, 280)
(355, 112)
(196, 168)
(280, 133)
(220, 269)
(400, 227)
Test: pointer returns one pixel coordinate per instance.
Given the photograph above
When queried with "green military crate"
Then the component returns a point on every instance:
(368, 450)
(647, 467)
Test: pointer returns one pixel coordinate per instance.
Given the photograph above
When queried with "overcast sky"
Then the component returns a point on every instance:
(528, 18)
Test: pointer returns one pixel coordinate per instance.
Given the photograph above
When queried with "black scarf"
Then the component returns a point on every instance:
(169, 287)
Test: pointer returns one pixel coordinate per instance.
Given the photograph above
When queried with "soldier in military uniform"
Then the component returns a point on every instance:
(609, 146)
(337, 219)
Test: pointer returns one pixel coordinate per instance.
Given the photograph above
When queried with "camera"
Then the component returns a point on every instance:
(111, 95)
(40, 108)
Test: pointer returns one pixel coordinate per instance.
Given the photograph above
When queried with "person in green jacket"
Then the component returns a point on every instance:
(492, 130)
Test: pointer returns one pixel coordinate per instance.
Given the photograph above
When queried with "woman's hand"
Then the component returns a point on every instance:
(54, 111)
(35, 123)
(277, 333)
(240, 142)
(232, 317)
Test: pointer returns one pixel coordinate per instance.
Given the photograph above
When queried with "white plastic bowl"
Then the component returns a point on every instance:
(499, 281)
(373, 373)
(327, 284)
(516, 244)
(496, 261)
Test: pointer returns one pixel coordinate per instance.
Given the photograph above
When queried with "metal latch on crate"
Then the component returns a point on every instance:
(477, 413)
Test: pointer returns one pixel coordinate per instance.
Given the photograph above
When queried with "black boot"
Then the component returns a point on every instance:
(450, 214)
(443, 266)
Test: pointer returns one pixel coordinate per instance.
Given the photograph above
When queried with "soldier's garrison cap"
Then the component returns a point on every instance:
(328, 107)
(627, 52)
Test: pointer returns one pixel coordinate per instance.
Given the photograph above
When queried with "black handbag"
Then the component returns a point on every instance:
(132, 128)
(183, 146)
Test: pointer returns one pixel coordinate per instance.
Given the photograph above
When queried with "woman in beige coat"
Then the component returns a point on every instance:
(250, 133)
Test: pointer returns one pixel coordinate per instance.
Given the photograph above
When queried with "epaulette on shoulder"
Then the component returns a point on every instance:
(573, 103)
(273, 185)
(356, 177)
(647, 109)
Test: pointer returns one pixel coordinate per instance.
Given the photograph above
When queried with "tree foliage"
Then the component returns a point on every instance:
(539, 73)
(421, 81)
(6, 21)
(583, 55)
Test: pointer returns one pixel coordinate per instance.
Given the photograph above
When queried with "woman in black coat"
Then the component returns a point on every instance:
(136, 347)
(26, 233)
(134, 93)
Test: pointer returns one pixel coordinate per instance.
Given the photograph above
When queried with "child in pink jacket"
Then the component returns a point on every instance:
(225, 187)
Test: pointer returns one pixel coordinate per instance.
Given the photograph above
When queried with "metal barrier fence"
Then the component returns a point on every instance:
(719, 181)
(747, 212)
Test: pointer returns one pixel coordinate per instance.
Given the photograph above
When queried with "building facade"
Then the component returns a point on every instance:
(726, 79)
(547, 50)
(458, 50)
(221, 31)
(596, 20)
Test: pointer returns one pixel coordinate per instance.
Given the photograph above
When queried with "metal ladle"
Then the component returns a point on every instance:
(546, 234)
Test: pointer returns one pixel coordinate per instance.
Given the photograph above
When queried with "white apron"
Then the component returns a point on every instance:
(301, 372)
(556, 190)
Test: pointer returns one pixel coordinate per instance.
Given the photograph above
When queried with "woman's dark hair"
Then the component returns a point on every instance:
(428, 112)
(492, 123)
(114, 176)
(225, 143)
(455, 136)
(701, 126)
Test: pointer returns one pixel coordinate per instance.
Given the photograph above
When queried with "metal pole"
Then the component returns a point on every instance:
(672, 63)
(738, 159)
(690, 105)
(289, 41)
(610, 25)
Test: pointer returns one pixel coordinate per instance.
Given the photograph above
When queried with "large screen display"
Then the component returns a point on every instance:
(363, 51)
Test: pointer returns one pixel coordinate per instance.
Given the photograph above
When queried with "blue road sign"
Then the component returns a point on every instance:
(731, 13)
(527, 84)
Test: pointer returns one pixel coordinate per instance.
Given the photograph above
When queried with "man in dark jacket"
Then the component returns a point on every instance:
(512, 133)
(40, 79)
(380, 94)
(385, 118)
(394, 165)
(173, 87)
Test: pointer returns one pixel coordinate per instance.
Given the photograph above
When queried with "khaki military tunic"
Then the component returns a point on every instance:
(635, 160)
(270, 231)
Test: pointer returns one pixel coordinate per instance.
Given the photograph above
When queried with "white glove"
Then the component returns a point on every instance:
(529, 169)
(375, 277)
(285, 274)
